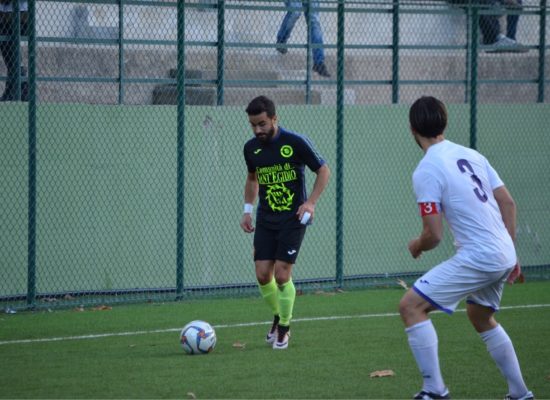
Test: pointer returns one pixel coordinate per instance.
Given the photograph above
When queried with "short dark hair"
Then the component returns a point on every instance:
(261, 104)
(428, 117)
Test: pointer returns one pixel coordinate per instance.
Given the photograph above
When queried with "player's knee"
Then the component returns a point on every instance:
(263, 280)
(282, 272)
(483, 324)
(405, 307)
(411, 312)
(481, 318)
(281, 278)
(263, 277)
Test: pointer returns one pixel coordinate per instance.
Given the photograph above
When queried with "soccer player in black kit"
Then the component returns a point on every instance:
(276, 159)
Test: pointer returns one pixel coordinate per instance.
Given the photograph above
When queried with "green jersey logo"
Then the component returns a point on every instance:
(279, 197)
(257, 151)
(287, 151)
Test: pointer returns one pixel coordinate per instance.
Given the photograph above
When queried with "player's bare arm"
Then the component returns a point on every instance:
(250, 193)
(432, 233)
(321, 181)
(507, 207)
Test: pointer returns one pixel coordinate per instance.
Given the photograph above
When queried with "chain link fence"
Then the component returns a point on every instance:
(123, 123)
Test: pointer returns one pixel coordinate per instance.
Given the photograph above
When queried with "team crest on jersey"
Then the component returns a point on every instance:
(287, 151)
(279, 197)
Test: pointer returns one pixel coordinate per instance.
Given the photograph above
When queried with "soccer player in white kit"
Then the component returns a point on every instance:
(460, 184)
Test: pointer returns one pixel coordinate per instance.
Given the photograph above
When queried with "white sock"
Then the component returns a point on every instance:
(501, 349)
(423, 343)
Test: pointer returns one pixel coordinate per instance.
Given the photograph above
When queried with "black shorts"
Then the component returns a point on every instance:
(278, 244)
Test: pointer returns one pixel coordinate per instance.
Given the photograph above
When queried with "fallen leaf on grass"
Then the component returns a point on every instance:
(239, 345)
(191, 395)
(340, 290)
(382, 373)
(102, 308)
(403, 284)
(78, 309)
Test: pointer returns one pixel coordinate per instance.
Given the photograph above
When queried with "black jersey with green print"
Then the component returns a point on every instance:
(279, 167)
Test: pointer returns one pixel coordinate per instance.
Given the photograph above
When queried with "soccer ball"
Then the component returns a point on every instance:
(198, 337)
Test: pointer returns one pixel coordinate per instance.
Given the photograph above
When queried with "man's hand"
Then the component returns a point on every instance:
(414, 248)
(306, 207)
(246, 223)
(516, 274)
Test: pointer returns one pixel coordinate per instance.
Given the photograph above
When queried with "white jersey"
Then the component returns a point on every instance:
(461, 182)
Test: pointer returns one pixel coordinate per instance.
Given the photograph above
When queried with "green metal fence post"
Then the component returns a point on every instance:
(308, 52)
(16, 37)
(468, 69)
(221, 53)
(121, 52)
(473, 75)
(340, 146)
(31, 240)
(395, 53)
(542, 50)
(180, 148)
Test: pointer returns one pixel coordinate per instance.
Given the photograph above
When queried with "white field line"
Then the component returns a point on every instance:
(329, 318)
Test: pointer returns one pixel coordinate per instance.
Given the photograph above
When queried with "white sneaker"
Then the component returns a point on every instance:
(527, 396)
(281, 343)
(271, 336)
(506, 45)
(423, 395)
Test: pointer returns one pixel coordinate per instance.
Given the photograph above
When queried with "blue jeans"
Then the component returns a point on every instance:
(316, 33)
(490, 25)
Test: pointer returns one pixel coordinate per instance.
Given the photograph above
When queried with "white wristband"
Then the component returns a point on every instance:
(248, 208)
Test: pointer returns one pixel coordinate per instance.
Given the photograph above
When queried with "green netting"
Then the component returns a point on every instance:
(92, 178)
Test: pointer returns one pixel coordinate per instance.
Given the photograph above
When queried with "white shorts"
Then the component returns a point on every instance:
(445, 285)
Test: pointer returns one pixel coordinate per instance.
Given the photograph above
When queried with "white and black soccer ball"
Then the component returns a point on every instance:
(198, 337)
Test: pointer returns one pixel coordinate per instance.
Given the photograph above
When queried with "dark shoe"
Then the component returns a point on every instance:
(423, 395)
(321, 69)
(8, 92)
(281, 48)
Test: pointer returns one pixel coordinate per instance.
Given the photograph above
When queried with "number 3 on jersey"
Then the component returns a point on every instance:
(464, 165)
